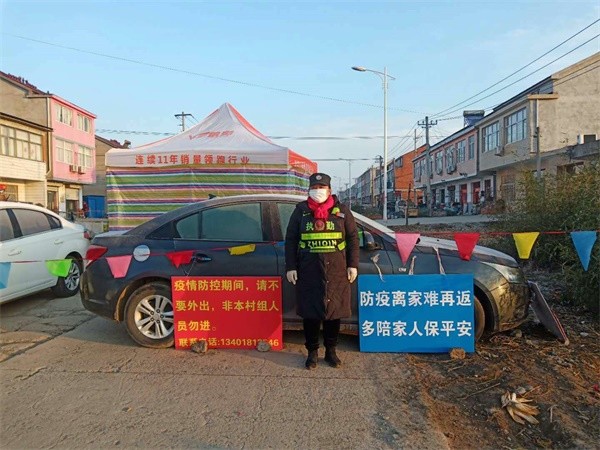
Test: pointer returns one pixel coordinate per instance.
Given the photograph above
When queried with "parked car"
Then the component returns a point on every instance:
(29, 236)
(142, 299)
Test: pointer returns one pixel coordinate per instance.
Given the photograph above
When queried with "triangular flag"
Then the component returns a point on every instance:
(58, 267)
(466, 242)
(4, 271)
(242, 249)
(584, 242)
(406, 242)
(182, 257)
(524, 243)
(119, 265)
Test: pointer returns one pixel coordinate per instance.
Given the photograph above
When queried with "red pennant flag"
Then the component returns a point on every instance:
(466, 242)
(178, 258)
(119, 265)
(406, 242)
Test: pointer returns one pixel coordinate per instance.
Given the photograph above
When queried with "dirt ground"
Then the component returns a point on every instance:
(562, 381)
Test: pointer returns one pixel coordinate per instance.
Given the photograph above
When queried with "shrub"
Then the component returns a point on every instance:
(562, 203)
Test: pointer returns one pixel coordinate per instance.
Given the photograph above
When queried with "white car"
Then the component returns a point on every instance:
(31, 235)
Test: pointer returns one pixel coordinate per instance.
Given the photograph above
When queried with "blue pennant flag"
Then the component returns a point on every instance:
(4, 271)
(584, 242)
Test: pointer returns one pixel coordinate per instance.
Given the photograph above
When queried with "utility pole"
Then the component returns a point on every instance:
(183, 115)
(426, 124)
(381, 180)
(415, 138)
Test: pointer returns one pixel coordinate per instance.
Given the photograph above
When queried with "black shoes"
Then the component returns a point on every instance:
(331, 357)
(311, 361)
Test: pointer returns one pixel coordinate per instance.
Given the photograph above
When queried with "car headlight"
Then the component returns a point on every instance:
(512, 274)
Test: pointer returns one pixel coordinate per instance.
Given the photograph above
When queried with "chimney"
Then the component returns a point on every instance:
(471, 117)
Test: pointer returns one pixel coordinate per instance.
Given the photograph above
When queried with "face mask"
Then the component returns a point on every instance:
(319, 195)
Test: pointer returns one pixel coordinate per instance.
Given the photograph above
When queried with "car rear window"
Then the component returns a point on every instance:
(32, 222)
(6, 229)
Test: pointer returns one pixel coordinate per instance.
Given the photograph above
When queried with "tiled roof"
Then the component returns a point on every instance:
(23, 83)
(113, 143)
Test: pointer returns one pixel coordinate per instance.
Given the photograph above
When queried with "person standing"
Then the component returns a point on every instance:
(321, 258)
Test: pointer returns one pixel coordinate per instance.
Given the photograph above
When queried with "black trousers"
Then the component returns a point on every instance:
(331, 330)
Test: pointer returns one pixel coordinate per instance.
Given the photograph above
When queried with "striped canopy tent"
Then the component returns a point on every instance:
(223, 155)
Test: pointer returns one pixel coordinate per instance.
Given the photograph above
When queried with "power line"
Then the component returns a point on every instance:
(519, 70)
(526, 76)
(298, 138)
(212, 77)
(593, 65)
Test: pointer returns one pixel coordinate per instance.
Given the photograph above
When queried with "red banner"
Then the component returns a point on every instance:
(227, 312)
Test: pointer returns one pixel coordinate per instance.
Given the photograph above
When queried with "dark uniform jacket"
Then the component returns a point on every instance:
(321, 251)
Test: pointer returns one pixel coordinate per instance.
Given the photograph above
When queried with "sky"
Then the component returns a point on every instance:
(286, 66)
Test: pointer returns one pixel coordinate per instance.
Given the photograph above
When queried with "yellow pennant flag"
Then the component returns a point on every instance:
(524, 243)
(58, 267)
(242, 249)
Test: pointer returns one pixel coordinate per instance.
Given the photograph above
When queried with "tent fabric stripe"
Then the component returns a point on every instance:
(134, 198)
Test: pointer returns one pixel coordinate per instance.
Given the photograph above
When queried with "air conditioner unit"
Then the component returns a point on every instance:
(80, 169)
(73, 168)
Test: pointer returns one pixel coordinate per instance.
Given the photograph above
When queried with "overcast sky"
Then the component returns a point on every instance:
(286, 66)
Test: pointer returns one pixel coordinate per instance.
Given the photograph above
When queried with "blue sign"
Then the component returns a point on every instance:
(416, 313)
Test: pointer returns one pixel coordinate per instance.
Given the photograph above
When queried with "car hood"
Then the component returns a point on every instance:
(484, 253)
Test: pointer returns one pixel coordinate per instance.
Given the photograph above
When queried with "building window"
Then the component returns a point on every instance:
(64, 151)
(450, 159)
(84, 123)
(460, 151)
(439, 162)
(516, 126)
(84, 157)
(471, 147)
(399, 162)
(507, 187)
(64, 115)
(20, 144)
(491, 137)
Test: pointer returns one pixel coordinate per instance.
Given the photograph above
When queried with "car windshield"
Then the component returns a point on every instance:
(371, 223)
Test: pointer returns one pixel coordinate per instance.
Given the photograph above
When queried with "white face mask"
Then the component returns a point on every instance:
(319, 195)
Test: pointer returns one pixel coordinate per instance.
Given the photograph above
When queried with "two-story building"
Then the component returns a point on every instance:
(48, 146)
(454, 177)
(549, 115)
(528, 132)
(404, 182)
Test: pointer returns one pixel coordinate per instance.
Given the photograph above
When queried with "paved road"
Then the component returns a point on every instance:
(73, 380)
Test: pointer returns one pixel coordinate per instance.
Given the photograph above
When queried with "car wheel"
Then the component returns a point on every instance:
(69, 285)
(149, 316)
(479, 319)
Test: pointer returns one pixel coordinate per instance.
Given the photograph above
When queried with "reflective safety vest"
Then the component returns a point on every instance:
(321, 236)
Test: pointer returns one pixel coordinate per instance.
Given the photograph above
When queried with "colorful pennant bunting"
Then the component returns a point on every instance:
(524, 243)
(406, 242)
(119, 265)
(584, 242)
(58, 267)
(182, 257)
(4, 272)
(242, 249)
(466, 242)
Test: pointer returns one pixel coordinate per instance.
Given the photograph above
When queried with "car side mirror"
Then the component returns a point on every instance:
(369, 242)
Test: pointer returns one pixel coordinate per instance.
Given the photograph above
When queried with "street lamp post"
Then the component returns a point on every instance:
(384, 78)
